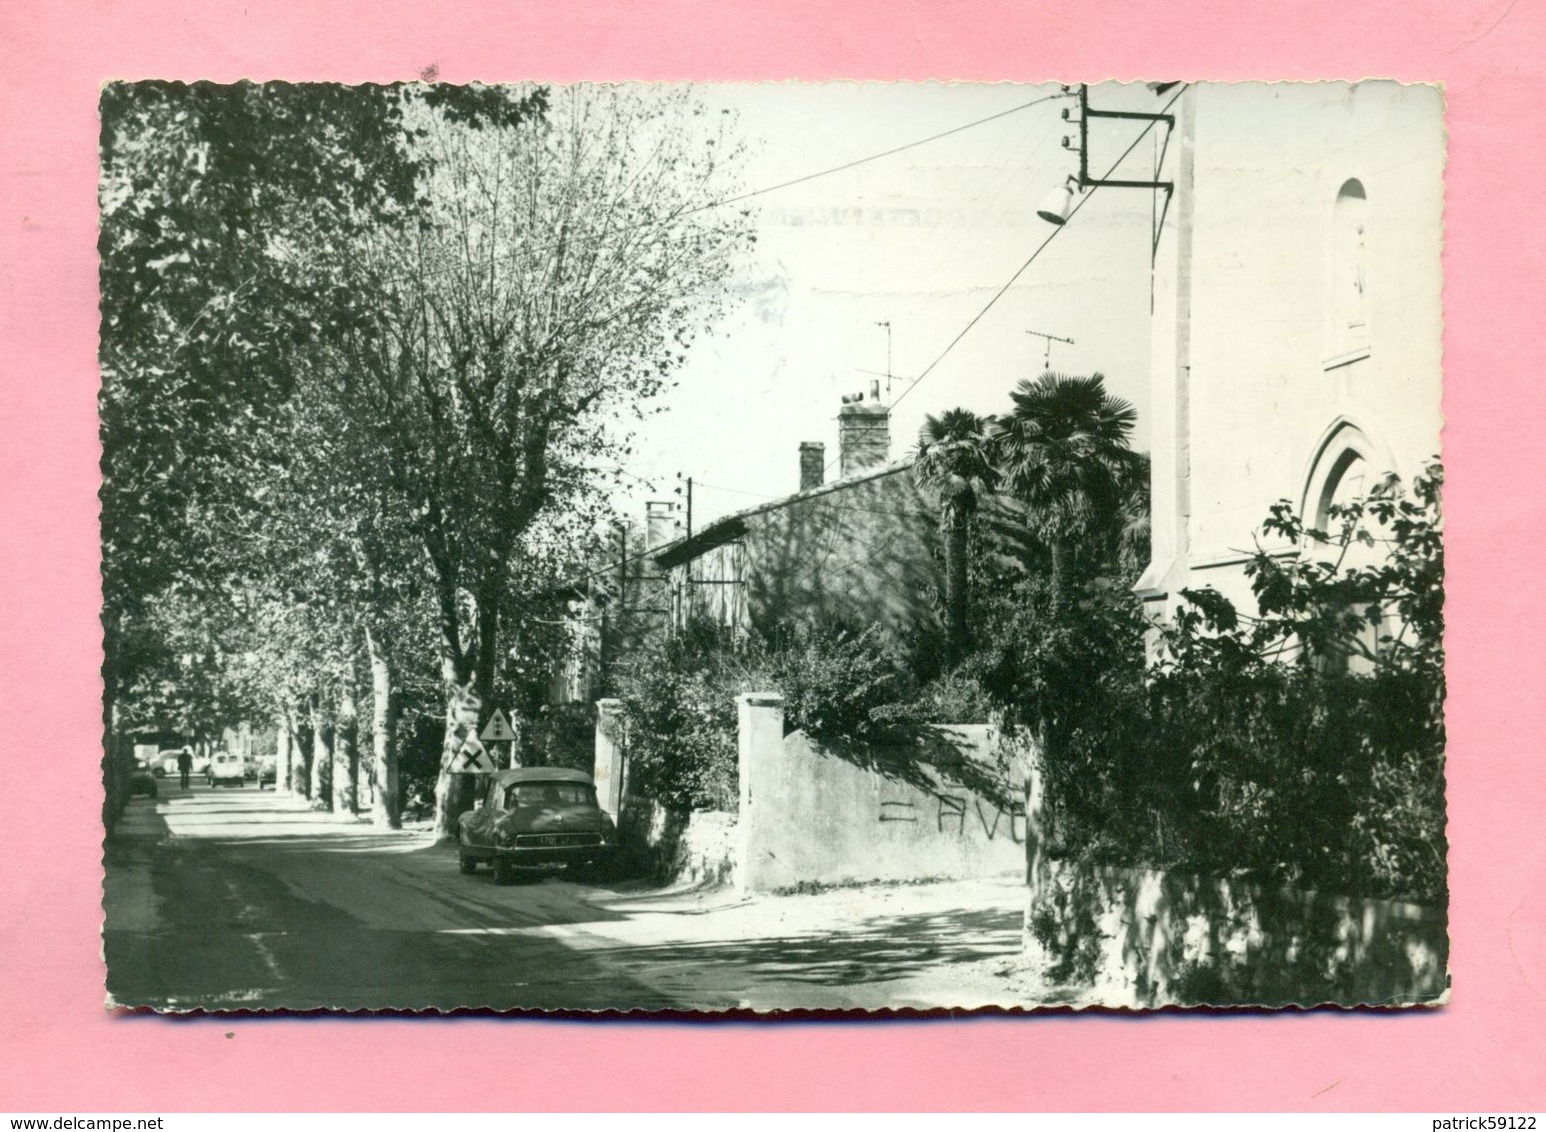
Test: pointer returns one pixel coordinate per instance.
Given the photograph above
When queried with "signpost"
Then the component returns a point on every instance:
(472, 759)
(498, 730)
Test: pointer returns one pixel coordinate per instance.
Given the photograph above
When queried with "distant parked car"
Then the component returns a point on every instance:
(165, 763)
(267, 771)
(534, 818)
(142, 780)
(226, 769)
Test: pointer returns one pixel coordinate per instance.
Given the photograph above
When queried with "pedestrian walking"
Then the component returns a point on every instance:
(184, 766)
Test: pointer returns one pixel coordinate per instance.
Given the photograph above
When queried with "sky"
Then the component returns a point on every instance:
(922, 240)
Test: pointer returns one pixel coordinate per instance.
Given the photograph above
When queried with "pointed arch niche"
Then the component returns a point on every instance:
(1347, 278)
(1347, 465)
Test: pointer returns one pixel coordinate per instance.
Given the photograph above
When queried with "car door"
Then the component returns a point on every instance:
(477, 824)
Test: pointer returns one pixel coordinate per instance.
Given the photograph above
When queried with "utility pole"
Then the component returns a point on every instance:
(1051, 338)
(688, 496)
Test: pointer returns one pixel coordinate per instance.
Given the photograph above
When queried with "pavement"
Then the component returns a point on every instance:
(240, 899)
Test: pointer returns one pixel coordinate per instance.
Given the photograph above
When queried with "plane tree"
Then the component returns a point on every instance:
(206, 194)
(502, 348)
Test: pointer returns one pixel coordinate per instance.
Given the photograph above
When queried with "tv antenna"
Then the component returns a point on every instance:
(1051, 338)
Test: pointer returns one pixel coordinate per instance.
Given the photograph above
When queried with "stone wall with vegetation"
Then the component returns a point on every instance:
(1148, 937)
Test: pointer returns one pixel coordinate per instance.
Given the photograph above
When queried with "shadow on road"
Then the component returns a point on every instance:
(880, 949)
(256, 902)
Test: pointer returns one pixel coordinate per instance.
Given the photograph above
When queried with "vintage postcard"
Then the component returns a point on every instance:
(772, 547)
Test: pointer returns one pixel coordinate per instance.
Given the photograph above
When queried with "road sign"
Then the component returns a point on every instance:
(497, 729)
(472, 759)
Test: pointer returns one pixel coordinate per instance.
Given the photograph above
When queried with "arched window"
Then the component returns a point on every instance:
(1347, 278)
(1346, 468)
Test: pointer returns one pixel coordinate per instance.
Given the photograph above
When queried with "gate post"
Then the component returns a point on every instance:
(760, 735)
(609, 756)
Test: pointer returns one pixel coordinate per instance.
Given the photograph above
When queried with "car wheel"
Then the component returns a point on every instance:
(504, 873)
(468, 865)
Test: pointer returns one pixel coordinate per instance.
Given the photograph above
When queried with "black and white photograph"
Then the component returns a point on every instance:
(761, 548)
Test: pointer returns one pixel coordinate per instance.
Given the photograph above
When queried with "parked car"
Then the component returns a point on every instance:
(166, 762)
(267, 771)
(142, 780)
(226, 769)
(534, 818)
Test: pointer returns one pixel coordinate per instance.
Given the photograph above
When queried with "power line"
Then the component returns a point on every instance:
(875, 156)
(722, 202)
(1039, 248)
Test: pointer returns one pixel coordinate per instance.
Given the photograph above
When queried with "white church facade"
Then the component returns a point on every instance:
(1296, 331)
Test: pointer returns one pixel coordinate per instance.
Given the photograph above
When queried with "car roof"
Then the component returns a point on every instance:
(540, 774)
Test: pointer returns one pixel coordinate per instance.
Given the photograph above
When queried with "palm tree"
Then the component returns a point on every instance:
(1064, 451)
(952, 463)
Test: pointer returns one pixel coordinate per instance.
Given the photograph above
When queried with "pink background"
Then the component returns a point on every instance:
(59, 1050)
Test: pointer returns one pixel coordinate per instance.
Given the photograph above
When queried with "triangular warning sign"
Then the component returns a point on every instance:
(472, 761)
(497, 729)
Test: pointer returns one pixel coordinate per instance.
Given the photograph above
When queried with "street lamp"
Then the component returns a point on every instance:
(1059, 204)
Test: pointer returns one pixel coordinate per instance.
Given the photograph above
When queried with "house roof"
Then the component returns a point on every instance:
(733, 526)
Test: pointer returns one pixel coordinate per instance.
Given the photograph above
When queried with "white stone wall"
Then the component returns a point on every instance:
(814, 815)
(1244, 290)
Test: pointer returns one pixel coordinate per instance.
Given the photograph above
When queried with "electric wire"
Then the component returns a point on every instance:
(1085, 199)
(722, 202)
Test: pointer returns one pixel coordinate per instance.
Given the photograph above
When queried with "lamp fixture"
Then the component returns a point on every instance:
(1060, 202)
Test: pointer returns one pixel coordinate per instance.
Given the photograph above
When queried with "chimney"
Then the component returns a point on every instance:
(863, 432)
(813, 464)
(659, 524)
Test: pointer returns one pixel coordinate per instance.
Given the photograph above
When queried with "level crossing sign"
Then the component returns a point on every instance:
(497, 729)
(472, 759)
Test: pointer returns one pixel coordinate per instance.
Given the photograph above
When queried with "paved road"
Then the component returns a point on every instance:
(240, 899)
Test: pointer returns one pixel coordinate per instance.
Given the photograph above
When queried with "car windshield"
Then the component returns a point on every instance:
(520, 794)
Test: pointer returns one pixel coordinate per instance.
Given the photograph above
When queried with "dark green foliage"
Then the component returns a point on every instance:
(955, 697)
(679, 701)
(1302, 744)
(1064, 924)
(560, 735)
(833, 681)
(680, 714)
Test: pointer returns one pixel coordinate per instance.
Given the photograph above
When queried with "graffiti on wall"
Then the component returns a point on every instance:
(952, 814)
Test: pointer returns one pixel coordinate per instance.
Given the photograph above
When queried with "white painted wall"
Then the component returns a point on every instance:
(1241, 390)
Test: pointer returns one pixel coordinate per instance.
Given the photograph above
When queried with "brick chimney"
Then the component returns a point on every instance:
(659, 523)
(863, 432)
(813, 464)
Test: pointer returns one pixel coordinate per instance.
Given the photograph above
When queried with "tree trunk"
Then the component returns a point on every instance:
(958, 637)
(282, 751)
(299, 782)
(453, 790)
(386, 805)
(1062, 572)
(321, 792)
(469, 703)
(346, 748)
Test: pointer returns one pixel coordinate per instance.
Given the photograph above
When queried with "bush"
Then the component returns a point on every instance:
(560, 735)
(1301, 745)
(679, 711)
(679, 701)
